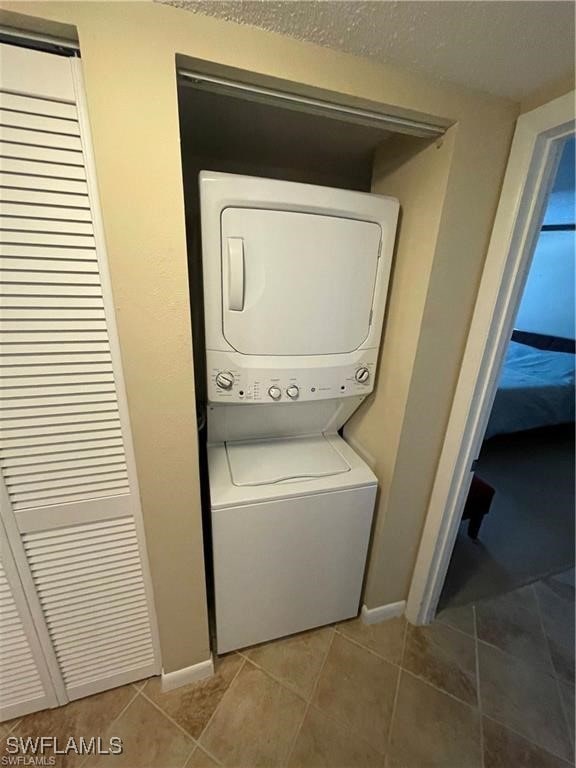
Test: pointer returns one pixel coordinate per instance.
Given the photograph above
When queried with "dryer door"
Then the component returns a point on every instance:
(296, 283)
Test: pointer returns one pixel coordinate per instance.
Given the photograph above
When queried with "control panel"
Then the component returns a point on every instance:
(233, 383)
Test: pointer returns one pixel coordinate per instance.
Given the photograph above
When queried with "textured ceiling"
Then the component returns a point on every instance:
(508, 48)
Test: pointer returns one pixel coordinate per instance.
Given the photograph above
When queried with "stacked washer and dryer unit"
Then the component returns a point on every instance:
(295, 285)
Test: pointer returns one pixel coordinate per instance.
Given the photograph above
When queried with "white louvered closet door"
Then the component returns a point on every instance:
(65, 454)
(26, 684)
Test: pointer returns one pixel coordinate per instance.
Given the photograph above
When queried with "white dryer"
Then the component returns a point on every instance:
(295, 285)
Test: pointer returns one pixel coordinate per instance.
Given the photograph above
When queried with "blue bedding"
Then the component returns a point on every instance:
(536, 389)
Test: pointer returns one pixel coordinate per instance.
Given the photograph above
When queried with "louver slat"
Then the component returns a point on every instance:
(62, 426)
(66, 228)
(44, 251)
(12, 194)
(63, 412)
(43, 183)
(45, 212)
(60, 423)
(47, 452)
(38, 106)
(41, 154)
(35, 168)
(34, 138)
(45, 123)
(61, 436)
(52, 240)
(13, 360)
(107, 551)
(22, 689)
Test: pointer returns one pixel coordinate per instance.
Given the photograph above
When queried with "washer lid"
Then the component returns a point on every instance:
(265, 462)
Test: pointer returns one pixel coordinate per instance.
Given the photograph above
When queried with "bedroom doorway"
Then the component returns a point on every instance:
(535, 155)
(519, 513)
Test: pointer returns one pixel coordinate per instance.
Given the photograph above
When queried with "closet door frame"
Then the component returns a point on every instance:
(109, 311)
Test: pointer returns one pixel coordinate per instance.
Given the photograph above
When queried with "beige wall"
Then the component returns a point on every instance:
(417, 172)
(438, 328)
(128, 53)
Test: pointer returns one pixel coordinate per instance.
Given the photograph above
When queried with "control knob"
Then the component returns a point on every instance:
(275, 393)
(224, 380)
(293, 392)
(362, 375)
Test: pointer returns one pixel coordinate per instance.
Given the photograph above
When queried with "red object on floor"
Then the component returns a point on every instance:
(477, 505)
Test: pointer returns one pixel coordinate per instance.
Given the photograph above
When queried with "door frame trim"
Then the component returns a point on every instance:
(115, 352)
(534, 157)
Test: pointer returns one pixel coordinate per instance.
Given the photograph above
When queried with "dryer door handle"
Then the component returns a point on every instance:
(236, 274)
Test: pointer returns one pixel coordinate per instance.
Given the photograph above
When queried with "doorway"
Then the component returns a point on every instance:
(520, 506)
(538, 143)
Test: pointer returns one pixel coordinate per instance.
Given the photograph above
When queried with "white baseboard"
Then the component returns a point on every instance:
(179, 677)
(383, 612)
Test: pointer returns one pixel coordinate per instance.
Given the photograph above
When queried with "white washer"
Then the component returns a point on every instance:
(291, 523)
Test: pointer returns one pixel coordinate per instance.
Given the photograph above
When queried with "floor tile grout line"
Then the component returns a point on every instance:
(477, 653)
(541, 621)
(546, 638)
(309, 701)
(283, 683)
(556, 677)
(473, 707)
(466, 673)
(428, 682)
(189, 755)
(328, 715)
(168, 717)
(519, 659)
(16, 723)
(124, 708)
(366, 648)
(397, 691)
(478, 688)
(550, 670)
(401, 666)
(456, 629)
(331, 717)
(525, 738)
(206, 752)
(114, 719)
(347, 728)
(213, 715)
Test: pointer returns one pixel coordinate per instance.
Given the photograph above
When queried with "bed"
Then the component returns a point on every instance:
(536, 386)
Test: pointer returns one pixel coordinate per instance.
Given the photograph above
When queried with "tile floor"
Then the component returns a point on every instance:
(486, 686)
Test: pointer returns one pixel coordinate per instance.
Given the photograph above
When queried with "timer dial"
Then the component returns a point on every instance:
(293, 392)
(362, 375)
(224, 380)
